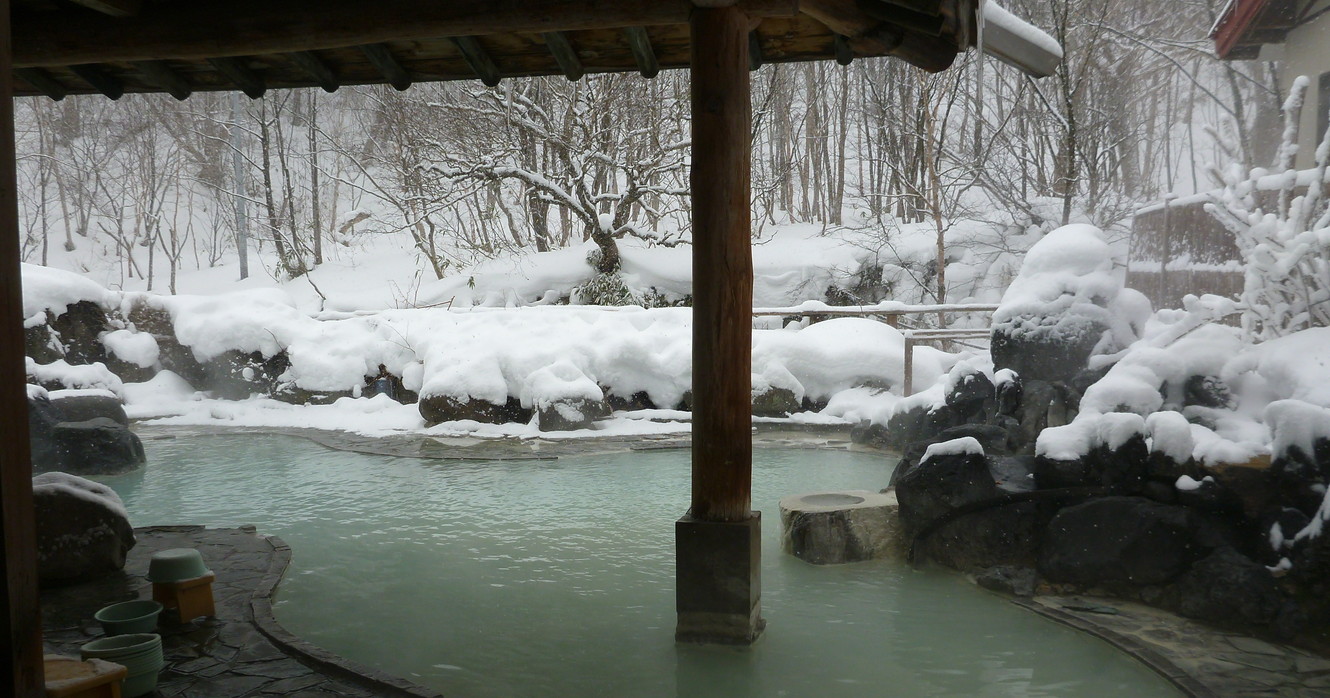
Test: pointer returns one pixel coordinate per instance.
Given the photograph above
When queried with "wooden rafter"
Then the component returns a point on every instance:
(317, 69)
(100, 80)
(479, 59)
(114, 8)
(235, 70)
(564, 54)
(201, 29)
(43, 81)
(640, 44)
(161, 75)
(844, 53)
(923, 23)
(386, 63)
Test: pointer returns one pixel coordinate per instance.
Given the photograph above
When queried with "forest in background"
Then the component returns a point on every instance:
(1138, 107)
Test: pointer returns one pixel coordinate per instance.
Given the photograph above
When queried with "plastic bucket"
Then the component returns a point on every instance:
(139, 653)
(130, 617)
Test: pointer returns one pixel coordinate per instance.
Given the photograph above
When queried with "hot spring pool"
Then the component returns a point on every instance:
(555, 578)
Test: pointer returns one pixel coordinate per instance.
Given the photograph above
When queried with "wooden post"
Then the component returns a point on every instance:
(718, 542)
(22, 672)
(722, 266)
(908, 388)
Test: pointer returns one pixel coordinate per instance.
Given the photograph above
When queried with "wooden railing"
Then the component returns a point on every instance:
(892, 312)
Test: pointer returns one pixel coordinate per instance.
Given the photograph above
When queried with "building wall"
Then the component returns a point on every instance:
(1307, 52)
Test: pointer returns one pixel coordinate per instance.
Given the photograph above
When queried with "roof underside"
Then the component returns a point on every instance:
(1246, 25)
(113, 47)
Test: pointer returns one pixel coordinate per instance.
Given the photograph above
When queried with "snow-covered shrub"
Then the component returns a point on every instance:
(1284, 236)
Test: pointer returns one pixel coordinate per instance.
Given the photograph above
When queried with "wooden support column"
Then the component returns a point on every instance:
(718, 542)
(722, 266)
(21, 674)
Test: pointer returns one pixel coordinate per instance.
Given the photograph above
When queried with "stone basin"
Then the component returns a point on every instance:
(833, 527)
(830, 499)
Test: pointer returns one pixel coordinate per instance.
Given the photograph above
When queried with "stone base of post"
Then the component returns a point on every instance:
(719, 593)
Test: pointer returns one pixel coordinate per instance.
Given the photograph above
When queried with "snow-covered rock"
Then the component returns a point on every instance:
(83, 530)
(1066, 304)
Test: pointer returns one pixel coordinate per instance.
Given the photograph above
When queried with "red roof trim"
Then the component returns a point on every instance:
(1234, 23)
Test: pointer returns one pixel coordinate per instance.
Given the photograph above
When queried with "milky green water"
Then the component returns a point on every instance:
(555, 578)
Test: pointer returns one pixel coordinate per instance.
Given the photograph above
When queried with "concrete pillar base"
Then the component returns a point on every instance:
(719, 592)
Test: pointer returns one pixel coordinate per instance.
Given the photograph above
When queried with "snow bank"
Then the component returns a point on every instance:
(1296, 366)
(54, 290)
(95, 375)
(137, 348)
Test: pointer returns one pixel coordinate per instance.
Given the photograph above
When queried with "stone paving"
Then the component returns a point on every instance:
(1200, 660)
(241, 652)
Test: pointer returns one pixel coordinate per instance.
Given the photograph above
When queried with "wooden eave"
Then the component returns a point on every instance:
(1246, 25)
(112, 47)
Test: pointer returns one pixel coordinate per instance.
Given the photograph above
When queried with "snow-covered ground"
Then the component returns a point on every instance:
(491, 330)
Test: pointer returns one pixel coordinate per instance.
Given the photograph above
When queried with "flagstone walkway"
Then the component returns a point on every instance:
(241, 652)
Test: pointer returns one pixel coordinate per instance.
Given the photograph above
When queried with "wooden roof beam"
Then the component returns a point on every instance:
(386, 63)
(639, 42)
(201, 29)
(928, 7)
(564, 55)
(100, 80)
(161, 75)
(113, 8)
(479, 59)
(754, 51)
(249, 82)
(914, 21)
(867, 36)
(317, 69)
(43, 82)
(844, 54)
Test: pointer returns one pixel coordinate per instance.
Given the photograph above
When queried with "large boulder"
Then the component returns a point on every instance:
(80, 329)
(235, 375)
(1095, 450)
(570, 414)
(1056, 353)
(1117, 541)
(956, 474)
(81, 432)
(82, 405)
(447, 408)
(775, 402)
(83, 531)
(1228, 588)
(970, 394)
(98, 446)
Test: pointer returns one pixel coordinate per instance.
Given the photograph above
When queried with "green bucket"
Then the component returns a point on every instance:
(129, 617)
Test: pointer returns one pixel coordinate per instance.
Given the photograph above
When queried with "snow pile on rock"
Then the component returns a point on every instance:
(53, 290)
(1066, 304)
